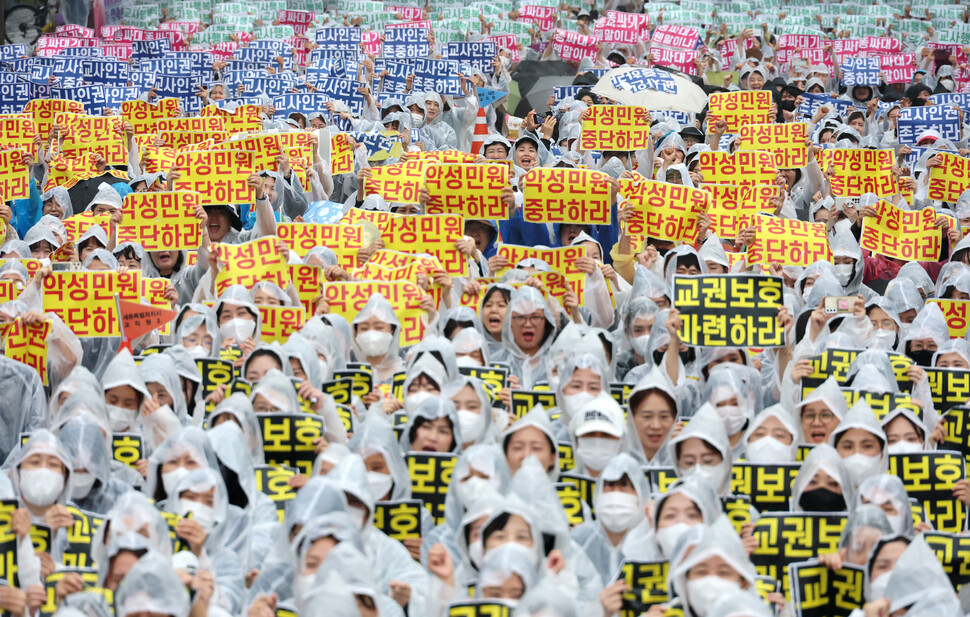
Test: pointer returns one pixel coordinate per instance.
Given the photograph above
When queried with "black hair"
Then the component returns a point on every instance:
(454, 324)
(637, 398)
(269, 353)
(617, 58)
(128, 253)
(421, 421)
(505, 294)
(587, 92)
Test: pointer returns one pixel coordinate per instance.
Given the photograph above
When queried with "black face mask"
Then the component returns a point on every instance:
(685, 356)
(787, 105)
(822, 500)
(923, 357)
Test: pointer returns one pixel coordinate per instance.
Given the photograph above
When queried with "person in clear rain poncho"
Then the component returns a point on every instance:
(152, 588)
(376, 338)
(861, 442)
(823, 483)
(94, 489)
(528, 331)
(702, 448)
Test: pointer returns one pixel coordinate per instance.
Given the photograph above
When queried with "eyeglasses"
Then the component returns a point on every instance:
(824, 417)
(532, 319)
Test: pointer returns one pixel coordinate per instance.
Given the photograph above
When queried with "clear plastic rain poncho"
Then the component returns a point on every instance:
(655, 381)
(772, 451)
(122, 371)
(236, 466)
(273, 351)
(823, 457)
(617, 512)
(718, 539)
(916, 420)
(476, 427)
(191, 379)
(39, 489)
(700, 492)
(347, 568)
(862, 466)
(187, 330)
(635, 309)
(904, 296)
(530, 368)
(872, 371)
(465, 489)
(161, 369)
(508, 560)
(884, 489)
(466, 343)
(546, 600)
(429, 410)
(277, 389)
(866, 524)
(375, 436)
(189, 444)
(739, 603)
(390, 361)
(440, 350)
(95, 489)
(238, 295)
(337, 526)
(78, 378)
(240, 410)
(390, 559)
(227, 534)
(727, 383)
(64, 351)
(828, 394)
(929, 324)
(300, 349)
(539, 419)
(132, 512)
(323, 337)
(152, 586)
(23, 405)
(569, 405)
(918, 578)
(707, 426)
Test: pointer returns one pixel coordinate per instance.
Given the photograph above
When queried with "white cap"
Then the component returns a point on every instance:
(602, 414)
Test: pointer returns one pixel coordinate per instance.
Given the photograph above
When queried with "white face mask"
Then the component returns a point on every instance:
(121, 418)
(843, 273)
(618, 511)
(357, 514)
(472, 487)
(374, 344)
(862, 467)
(897, 521)
(475, 553)
(882, 339)
(469, 425)
(417, 120)
(171, 479)
(710, 473)
(467, 361)
(238, 329)
(705, 591)
(733, 418)
(197, 351)
(769, 451)
(806, 292)
(904, 447)
(413, 401)
(572, 403)
(668, 536)
(204, 515)
(379, 484)
(596, 452)
(877, 586)
(81, 485)
(640, 345)
(303, 584)
(40, 487)
(324, 367)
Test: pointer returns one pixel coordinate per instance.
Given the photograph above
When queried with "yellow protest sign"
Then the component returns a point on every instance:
(739, 108)
(472, 191)
(161, 221)
(911, 235)
(78, 224)
(743, 168)
(442, 156)
(381, 220)
(392, 260)
(306, 279)
(8, 290)
(955, 312)
(347, 298)
(734, 208)
(194, 123)
(344, 240)
(219, 176)
(144, 116)
(14, 175)
(81, 134)
(341, 155)
(265, 148)
(615, 127)
(413, 272)
(663, 210)
(45, 111)
(859, 171)
(157, 159)
(244, 119)
(28, 344)
(192, 140)
(18, 134)
(950, 178)
(153, 291)
(562, 260)
(247, 264)
(434, 234)
(297, 145)
(562, 195)
(85, 300)
(789, 242)
(785, 141)
(401, 183)
(279, 322)
(66, 172)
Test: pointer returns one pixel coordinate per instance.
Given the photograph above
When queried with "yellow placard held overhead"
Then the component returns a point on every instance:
(859, 171)
(911, 235)
(739, 108)
(244, 119)
(344, 240)
(561, 195)
(663, 210)
(615, 127)
(279, 322)
(341, 155)
(18, 134)
(27, 344)
(161, 221)
(472, 191)
(347, 298)
(434, 234)
(219, 176)
(247, 264)
(743, 168)
(789, 242)
(144, 116)
(265, 148)
(14, 175)
(785, 141)
(950, 178)
(81, 134)
(734, 208)
(401, 183)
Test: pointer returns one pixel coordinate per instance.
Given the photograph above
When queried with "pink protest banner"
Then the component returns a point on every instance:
(411, 24)
(544, 17)
(675, 37)
(846, 47)
(818, 56)
(407, 13)
(881, 45)
(508, 41)
(574, 46)
(681, 60)
(728, 47)
(300, 20)
(898, 68)
(790, 44)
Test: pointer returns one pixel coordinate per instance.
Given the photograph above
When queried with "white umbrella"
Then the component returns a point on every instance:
(654, 89)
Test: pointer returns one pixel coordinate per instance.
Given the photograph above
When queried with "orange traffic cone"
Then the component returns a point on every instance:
(481, 131)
